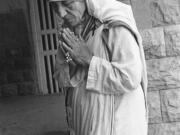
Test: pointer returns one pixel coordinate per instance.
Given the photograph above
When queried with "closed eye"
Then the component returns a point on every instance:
(68, 3)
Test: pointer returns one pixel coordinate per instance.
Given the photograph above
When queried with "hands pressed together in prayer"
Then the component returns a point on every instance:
(75, 49)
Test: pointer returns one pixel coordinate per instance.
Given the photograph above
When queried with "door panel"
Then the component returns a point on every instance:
(46, 42)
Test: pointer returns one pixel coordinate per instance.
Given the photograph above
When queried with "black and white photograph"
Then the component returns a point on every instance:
(89, 67)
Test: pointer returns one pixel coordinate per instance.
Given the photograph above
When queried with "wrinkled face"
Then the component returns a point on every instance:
(71, 11)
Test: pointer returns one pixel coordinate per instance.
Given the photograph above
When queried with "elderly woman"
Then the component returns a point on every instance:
(101, 63)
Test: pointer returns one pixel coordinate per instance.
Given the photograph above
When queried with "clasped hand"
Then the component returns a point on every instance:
(76, 47)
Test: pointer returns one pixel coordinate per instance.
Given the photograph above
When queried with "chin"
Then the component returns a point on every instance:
(73, 22)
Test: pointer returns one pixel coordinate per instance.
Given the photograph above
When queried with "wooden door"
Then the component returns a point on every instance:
(45, 40)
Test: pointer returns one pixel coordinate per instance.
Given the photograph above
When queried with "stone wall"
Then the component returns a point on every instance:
(17, 66)
(161, 40)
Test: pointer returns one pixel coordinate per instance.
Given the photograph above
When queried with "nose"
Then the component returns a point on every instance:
(62, 11)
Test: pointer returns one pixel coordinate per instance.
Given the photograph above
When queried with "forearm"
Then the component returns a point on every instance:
(123, 73)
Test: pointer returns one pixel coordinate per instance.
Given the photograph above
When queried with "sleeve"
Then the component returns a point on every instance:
(66, 75)
(123, 73)
(61, 70)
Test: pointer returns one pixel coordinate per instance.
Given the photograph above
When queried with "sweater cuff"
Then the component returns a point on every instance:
(94, 70)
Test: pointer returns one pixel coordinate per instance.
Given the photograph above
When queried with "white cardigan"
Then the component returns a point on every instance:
(111, 101)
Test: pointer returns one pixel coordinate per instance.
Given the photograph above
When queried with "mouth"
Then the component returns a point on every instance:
(67, 24)
(69, 19)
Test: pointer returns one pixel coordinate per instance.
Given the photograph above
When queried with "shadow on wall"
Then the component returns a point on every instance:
(13, 28)
(16, 55)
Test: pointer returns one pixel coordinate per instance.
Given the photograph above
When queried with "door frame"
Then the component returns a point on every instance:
(37, 42)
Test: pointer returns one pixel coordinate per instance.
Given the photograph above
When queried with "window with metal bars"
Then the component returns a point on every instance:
(49, 40)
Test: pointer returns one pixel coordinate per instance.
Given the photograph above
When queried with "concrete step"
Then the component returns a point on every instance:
(33, 115)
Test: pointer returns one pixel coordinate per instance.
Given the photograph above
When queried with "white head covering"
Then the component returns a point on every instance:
(111, 10)
(54, 0)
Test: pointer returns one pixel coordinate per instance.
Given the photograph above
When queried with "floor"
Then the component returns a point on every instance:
(33, 115)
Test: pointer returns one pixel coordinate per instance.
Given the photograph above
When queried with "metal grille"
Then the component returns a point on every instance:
(48, 43)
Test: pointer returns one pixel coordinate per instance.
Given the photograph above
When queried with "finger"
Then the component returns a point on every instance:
(62, 49)
(80, 37)
(67, 40)
(67, 48)
(60, 35)
(60, 43)
(70, 35)
(75, 37)
(70, 32)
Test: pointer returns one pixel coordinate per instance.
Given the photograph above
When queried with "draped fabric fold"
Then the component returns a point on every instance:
(111, 99)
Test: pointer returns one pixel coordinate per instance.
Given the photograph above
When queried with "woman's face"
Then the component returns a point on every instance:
(71, 11)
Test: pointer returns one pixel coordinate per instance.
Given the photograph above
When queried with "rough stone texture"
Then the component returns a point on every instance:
(153, 42)
(17, 65)
(163, 73)
(164, 129)
(3, 78)
(23, 63)
(154, 107)
(164, 12)
(0, 92)
(142, 14)
(8, 5)
(28, 75)
(14, 76)
(172, 39)
(26, 89)
(170, 100)
(33, 115)
(9, 90)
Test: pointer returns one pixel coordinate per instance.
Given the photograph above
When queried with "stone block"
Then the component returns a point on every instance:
(142, 13)
(163, 73)
(27, 89)
(28, 75)
(15, 76)
(27, 51)
(7, 64)
(9, 90)
(3, 78)
(154, 43)
(172, 40)
(2, 51)
(154, 107)
(14, 27)
(23, 63)
(164, 12)
(0, 94)
(164, 129)
(12, 52)
(170, 100)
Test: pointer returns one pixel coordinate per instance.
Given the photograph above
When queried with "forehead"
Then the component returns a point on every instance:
(58, 2)
(62, 0)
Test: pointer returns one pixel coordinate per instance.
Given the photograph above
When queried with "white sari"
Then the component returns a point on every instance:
(112, 99)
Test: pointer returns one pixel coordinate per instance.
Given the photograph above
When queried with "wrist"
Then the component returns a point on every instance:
(89, 61)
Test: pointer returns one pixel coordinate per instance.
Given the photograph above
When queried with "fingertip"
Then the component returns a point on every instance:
(63, 34)
(64, 43)
(68, 29)
(60, 42)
